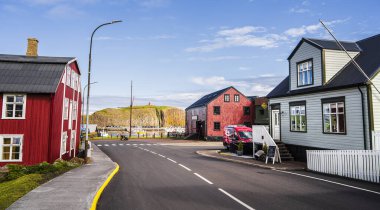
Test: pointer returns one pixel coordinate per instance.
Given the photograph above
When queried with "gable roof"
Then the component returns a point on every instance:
(326, 44)
(208, 98)
(27, 74)
(348, 76)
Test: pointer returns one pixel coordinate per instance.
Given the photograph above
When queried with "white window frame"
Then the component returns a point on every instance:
(73, 139)
(236, 98)
(305, 68)
(2, 136)
(66, 109)
(336, 114)
(64, 143)
(68, 76)
(70, 114)
(75, 110)
(298, 111)
(4, 114)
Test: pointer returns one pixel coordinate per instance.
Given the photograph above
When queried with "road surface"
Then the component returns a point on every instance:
(155, 176)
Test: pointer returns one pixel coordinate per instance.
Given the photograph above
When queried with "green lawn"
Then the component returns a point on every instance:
(11, 191)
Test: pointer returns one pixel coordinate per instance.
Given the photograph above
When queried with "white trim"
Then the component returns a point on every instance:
(62, 152)
(70, 121)
(4, 107)
(2, 136)
(63, 117)
(66, 108)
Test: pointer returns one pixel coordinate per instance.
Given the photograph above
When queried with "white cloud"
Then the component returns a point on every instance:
(311, 29)
(241, 31)
(64, 11)
(299, 10)
(217, 58)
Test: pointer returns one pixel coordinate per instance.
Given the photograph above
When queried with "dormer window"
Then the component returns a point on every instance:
(305, 73)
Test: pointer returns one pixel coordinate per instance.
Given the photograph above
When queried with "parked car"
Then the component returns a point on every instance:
(235, 133)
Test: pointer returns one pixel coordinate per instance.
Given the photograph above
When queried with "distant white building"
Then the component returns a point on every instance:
(91, 127)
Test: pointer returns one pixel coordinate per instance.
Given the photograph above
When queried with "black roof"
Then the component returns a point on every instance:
(208, 98)
(349, 75)
(27, 74)
(326, 44)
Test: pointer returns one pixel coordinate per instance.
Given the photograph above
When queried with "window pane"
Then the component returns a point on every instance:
(5, 156)
(326, 108)
(297, 128)
(19, 99)
(6, 148)
(15, 149)
(305, 78)
(19, 107)
(334, 123)
(333, 108)
(10, 99)
(341, 123)
(310, 77)
(303, 123)
(15, 156)
(16, 140)
(18, 114)
(300, 78)
(9, 114)
(9, 107)
(341, 107)
(302, 110)
(326, 123)
(292, 123)
(7, 140)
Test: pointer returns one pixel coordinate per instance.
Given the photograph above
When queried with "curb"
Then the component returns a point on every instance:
(104, 185)
(200, 152)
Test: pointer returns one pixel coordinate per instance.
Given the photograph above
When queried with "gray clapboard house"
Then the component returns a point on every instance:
(325, 102)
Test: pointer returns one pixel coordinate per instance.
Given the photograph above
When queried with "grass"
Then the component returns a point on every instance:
(11, 191)
(19, 180)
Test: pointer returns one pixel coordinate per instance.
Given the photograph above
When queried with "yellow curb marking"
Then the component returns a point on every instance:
(100, 191)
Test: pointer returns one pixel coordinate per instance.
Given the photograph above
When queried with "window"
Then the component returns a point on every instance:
(64, 143)
(236, 98)
(66, 109)
(70, 114)
(226, 97)
(11, 148)
(334, 115)
(217, 126)
(72, 140)
(247, 110)
(298, 116)
(305, 73)
(14, 106)
(216, 110)
(75, 110)
(68, 76)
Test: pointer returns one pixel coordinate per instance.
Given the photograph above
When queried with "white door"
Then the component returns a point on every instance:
(276, 124)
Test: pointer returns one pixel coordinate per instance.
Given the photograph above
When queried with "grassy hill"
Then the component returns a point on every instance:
(163, 116)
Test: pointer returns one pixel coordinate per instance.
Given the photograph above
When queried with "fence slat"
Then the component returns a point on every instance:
(357, 164)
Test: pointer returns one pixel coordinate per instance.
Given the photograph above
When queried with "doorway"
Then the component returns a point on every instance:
(275, 124)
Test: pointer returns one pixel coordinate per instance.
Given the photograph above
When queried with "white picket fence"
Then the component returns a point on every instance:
(356, 164)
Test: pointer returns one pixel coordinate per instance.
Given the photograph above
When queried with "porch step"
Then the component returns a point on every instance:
(284, 152)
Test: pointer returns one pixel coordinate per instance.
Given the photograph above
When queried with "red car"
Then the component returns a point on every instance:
(235, 133)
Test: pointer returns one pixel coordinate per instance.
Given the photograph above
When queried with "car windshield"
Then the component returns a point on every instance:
(245, 134)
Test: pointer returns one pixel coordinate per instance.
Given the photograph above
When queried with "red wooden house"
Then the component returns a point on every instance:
(209, 115)
(40, 101)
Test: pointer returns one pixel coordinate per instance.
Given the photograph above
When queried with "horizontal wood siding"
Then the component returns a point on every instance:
(314, 136)
(335, 60)
(376, 103)
(304, 52)
(35, 128)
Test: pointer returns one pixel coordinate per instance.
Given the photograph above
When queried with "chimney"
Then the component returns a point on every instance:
(32, 47)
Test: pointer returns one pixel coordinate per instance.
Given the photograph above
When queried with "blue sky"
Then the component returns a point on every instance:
(175, 51)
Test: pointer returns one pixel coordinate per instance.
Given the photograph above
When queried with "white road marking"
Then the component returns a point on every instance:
(99, 145)
(106, 145)
(121, 144)
(149, 144)
(141, 144)
(172, 160)
(113, 144)
(153, 152)
(128, 144)
(161, 155)
(324, 180)
(146, 150)
(184, 167)
(235, 199)
(134, 144)
(204, 179)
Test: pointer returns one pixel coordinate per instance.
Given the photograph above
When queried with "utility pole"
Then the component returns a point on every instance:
(130, 113)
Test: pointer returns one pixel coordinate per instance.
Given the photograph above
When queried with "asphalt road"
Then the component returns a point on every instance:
(174, 177)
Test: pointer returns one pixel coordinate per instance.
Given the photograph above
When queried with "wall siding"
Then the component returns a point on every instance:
(191, 124)
(314, 136)
(304, 52)
(335, 60)
(376, 103)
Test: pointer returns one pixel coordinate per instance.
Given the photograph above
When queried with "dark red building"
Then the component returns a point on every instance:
(209, 115)
(40, 101)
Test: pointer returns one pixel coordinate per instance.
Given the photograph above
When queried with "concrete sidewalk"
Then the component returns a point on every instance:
(72, 190)
(286, 165)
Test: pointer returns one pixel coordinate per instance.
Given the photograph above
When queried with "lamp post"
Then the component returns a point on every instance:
(84, 90)
(89, 78)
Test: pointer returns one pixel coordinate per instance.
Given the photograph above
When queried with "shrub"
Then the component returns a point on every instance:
(240, 146)
(265, 148)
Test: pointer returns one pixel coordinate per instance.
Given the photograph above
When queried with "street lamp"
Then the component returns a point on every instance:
(89, 77)
(84, 90)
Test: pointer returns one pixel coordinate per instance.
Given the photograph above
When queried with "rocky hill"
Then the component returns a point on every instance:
(162, 116)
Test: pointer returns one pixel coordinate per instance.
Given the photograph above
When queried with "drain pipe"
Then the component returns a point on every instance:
(364, 130)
